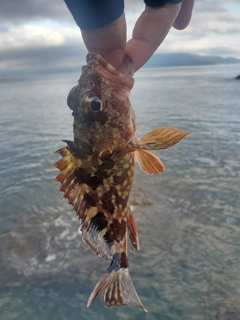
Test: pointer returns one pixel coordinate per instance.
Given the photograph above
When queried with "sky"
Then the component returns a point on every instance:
(41, 35)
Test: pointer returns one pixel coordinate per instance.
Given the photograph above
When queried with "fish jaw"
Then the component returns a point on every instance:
(106, 70)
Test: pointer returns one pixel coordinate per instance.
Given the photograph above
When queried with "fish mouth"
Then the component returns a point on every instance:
(111, 73)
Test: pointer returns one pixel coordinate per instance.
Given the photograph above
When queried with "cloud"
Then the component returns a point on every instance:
(34, 47)
(43, 59)
(42, 35)
(211, 31)
(26, 35)
(29, 10)
(217, 23)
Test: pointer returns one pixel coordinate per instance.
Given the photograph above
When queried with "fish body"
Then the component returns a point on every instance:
(97, 170)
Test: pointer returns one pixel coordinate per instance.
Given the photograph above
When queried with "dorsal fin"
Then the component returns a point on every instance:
(76, 191)
(72, 189)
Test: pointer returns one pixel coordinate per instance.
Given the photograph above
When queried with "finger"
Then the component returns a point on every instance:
(184, 15)
(149, 32)
(109, 41)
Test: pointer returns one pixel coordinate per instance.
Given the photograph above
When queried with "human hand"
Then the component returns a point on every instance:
(149, 32)
(152, 27)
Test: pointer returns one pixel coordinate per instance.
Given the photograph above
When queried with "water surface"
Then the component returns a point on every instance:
(188, 217)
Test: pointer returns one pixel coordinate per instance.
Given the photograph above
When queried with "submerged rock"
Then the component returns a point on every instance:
(238, 77)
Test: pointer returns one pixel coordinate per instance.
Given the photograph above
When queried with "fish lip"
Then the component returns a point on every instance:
(95, 57)
(125, 81)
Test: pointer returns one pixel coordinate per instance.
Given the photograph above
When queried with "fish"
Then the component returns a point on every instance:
(97, 170)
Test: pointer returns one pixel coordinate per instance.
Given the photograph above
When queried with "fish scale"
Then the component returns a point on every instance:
(97, 170)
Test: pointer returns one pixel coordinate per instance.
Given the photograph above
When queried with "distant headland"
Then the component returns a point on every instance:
(186, 59)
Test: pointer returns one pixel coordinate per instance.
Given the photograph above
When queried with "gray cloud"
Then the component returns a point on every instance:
(22, 10)
(44, 60)
(208, 6)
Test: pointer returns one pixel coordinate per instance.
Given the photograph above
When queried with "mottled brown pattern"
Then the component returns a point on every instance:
(100, 221)
(91, 181)
(107, 203)
(123, 259)
(120, 179)
(90, 200)
(122, 201)
(116, 231)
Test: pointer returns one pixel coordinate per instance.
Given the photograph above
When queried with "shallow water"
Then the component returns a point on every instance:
(188, 217)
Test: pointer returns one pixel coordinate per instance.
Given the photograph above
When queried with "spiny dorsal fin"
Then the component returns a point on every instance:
(148, 162)
(93, 220)
(161, 138)
(73, 190)
(132, 231)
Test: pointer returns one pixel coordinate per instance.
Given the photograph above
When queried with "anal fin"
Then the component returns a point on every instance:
(148, 162)
(94, 239)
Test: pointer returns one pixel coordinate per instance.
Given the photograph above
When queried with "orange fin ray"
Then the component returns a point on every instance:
(132, 231)
(161, 138)
(63, 163)
(148, 162)
(66, 181)
(63, 151)
(67, 177)
(118, 289)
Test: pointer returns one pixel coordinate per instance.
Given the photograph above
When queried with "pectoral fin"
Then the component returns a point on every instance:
(161, 138)
(148, 162)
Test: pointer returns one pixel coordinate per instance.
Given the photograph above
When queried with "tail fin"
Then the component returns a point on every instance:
(119, 289)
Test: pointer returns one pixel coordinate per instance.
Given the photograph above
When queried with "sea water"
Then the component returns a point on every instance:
(188, 217)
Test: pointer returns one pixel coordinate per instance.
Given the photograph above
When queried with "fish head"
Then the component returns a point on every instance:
(103, 115)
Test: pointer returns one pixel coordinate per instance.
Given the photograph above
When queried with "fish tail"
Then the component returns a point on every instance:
(118, 288)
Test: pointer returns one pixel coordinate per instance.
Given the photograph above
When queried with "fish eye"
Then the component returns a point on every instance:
(95, 104)
(73, 97)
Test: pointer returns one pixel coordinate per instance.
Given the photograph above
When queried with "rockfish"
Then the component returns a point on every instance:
(97, 170)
